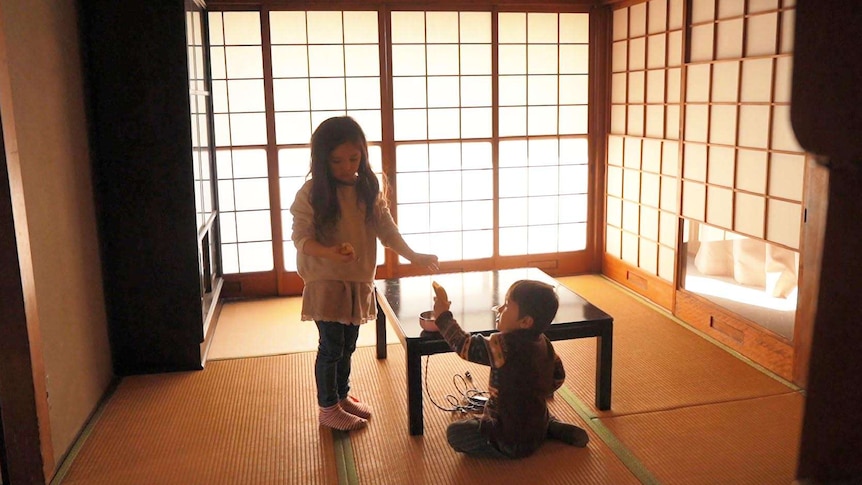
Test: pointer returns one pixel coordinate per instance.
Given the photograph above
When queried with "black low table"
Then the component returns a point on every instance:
(473, 294)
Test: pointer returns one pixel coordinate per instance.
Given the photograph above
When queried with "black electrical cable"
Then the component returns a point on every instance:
(472, 400)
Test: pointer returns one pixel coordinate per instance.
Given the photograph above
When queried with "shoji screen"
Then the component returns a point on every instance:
(743, 169)
(643, 148)
(240, 139)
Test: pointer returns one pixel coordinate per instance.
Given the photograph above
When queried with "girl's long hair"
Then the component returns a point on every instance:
(324, 200)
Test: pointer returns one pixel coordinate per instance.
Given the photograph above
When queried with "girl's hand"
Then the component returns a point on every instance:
(344, 252)
(441, 299)
(427, 260)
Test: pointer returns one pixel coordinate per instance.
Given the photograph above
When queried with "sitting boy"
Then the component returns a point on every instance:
(525, 372)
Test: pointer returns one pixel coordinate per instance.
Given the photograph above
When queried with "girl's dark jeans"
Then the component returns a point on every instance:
(332, 366)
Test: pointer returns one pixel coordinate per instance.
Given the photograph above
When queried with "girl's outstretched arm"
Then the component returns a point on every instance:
(390, 236)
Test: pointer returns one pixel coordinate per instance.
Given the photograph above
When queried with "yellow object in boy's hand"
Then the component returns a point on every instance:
(346, 248)
(441, 299)
(439, 291)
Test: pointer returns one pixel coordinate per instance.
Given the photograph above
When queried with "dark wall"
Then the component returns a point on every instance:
(139, 124)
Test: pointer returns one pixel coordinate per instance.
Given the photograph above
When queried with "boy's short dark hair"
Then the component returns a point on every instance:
(536, 299)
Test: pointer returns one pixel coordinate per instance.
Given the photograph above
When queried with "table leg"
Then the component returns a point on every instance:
(414, 392)
(381, 332)
(604, 364)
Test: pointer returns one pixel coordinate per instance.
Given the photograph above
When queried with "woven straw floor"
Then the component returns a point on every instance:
(684, 411)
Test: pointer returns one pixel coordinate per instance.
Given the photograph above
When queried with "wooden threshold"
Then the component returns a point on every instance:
(754, 342)
(649, 286)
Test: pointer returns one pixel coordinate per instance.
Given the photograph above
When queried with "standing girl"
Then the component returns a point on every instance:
(338, 215)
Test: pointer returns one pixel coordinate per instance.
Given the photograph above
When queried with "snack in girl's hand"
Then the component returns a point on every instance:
(441, 299)
(346, 248)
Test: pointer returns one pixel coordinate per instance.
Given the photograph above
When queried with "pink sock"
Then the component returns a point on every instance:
(334, 417)
(356, 407)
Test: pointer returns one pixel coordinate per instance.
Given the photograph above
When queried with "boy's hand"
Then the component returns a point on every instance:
(441, 299)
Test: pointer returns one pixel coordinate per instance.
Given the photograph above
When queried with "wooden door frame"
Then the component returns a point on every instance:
(27, 452)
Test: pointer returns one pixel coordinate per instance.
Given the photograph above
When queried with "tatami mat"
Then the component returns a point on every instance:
(684, 411)
(753, 441)
(248, 421)
(272, 326)
(658, 364)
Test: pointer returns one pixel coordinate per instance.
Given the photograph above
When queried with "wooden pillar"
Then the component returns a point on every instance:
(832, 428)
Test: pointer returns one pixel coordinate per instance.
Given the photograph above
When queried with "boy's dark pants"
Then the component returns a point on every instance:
(465, 437)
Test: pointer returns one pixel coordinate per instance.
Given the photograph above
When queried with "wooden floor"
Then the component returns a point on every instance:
(684, 411)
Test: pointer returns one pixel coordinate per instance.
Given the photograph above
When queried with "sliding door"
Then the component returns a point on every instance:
(701, 151)
(478, 121)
